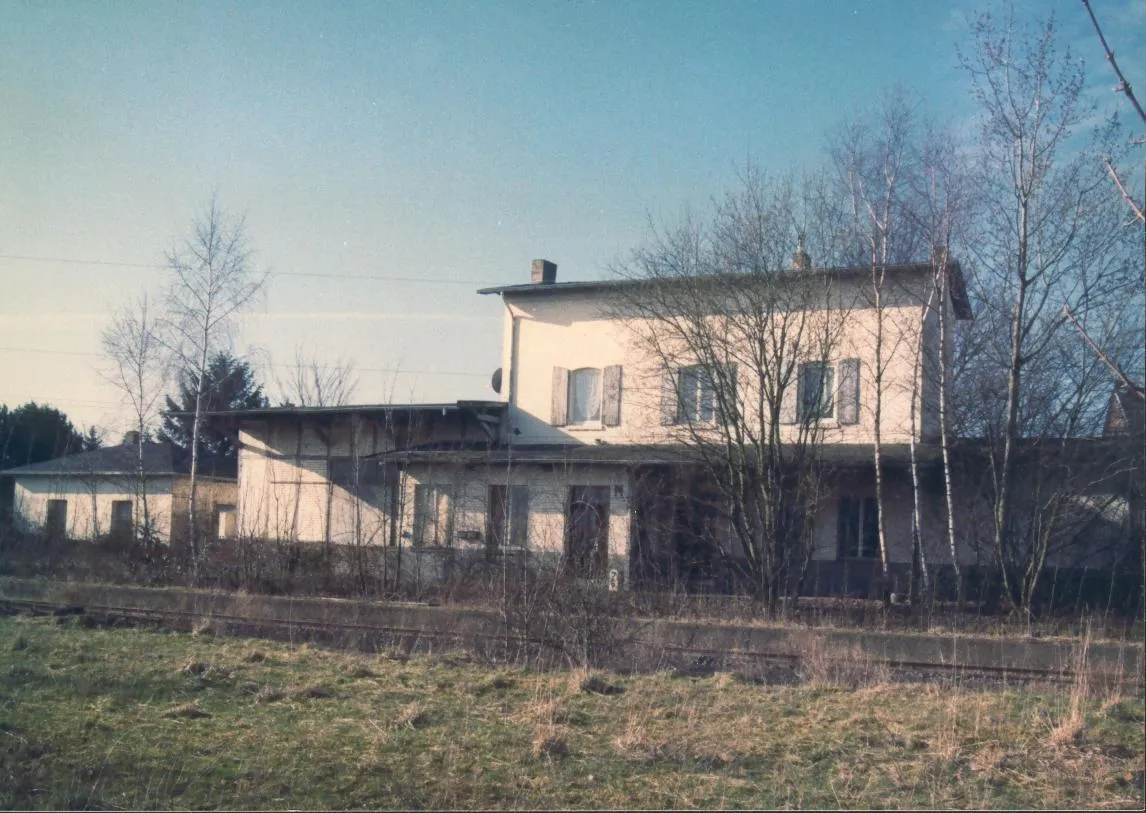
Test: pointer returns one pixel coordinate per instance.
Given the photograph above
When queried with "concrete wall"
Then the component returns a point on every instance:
(90, 502)
(295, 478)
(575, 330)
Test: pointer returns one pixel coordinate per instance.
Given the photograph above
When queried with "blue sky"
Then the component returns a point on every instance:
(444, 142)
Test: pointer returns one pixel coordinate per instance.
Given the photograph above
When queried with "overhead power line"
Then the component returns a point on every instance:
(313, 274)
(355, 368)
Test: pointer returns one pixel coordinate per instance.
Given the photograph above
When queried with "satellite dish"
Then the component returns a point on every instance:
(495, 380)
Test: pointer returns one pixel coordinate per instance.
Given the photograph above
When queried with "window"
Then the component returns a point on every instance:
(589, 396)
(694, 388)
(817, 391)
(858, 528)
(121, 518)
(225, 521)
(694, 394)
(507, 506)
(432, 515)
(584, 395)
(56, 519)
(587, 531)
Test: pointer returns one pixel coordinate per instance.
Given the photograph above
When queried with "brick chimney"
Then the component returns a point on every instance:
(544, 272)
(801, 260)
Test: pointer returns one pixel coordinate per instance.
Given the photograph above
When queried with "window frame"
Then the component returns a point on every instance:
(857, 534)
(122, 528)
(570, 400)
(587, 507)
(423, 519)
(513, 522)
(807, 412)
(53, 525)
(702, 385)
(226, 510)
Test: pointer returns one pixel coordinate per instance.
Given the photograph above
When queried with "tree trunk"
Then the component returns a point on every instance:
(944, 437)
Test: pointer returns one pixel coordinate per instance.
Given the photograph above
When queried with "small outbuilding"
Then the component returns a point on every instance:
(107, 492)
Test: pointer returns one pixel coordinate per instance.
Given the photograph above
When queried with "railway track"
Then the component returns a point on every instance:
(777, 667)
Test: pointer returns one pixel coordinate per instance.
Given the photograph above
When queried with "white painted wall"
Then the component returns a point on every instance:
(574, 330)
(90, 502)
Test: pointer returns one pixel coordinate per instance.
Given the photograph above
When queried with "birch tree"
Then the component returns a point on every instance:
(139, 365)
(1044, 239)
(873, 155)
(212, 280)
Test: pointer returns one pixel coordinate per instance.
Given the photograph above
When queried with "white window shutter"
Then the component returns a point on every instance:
(560, 404)
(611, 397)
(849, 393)
(790, 401)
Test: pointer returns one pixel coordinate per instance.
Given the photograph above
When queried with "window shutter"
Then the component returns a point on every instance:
(790, 400)
(560, 406)
(668, 397)
(849, 391)
(730, 394)
(611, 397)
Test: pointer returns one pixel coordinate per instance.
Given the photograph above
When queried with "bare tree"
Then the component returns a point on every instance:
(942, 209)
(1136, 207)
(213, 279)
(313, 383)
(139, 366)
(724, 325)
(874, 159)
(1043, 238)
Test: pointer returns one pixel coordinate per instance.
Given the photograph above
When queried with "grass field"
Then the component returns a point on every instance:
(120, 718)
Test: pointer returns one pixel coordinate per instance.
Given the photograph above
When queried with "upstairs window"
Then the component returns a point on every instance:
(823, 391)
(584, 395)
(694, 389)
(694, 394)
(817, 391)
(588, 396)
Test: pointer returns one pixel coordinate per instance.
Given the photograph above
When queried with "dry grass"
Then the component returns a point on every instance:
(549, 742)
(110, 718)
(825, 664)
(413, 716)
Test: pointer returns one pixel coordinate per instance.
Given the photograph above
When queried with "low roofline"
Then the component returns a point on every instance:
(353, 409)
(955, 280)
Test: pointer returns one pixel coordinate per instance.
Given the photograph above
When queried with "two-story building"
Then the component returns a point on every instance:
(609, 399)
(589, 454)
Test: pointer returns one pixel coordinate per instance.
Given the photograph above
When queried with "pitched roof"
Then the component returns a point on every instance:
(956, 282)
(159, 459)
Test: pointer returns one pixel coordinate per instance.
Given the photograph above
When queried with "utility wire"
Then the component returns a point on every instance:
(356, 368)
(316, 275)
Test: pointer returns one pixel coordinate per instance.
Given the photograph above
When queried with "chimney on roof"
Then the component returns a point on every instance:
(801, 260)
(131, 438)
(544, 272)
